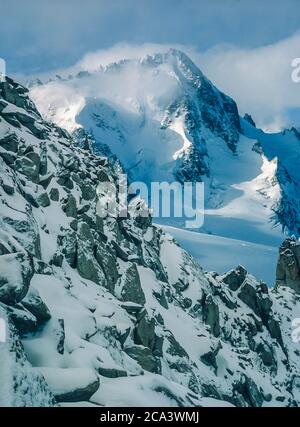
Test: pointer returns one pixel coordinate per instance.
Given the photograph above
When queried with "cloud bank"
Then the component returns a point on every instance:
(245, 48)
(258, 79)
(40, 35)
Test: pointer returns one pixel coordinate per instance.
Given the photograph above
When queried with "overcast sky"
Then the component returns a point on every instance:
(236, 42)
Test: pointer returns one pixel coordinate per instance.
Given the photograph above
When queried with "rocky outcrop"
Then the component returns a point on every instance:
(211, 315)
(144, 358)
(16, 271)
(235, 278)
(131, 289)
(20, 384)
(71, 385)
(288, 266)
(103, 297)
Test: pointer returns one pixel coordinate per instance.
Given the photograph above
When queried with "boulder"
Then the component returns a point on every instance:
(143, 356)
(182, 284)
(4, 248)
(273, 327)
(88, 191)
(266, 354)
(235, 278)
(23, 319)
(54, 194)
(161, 298)
(250, 392)
(70, 207)
(175, 349)
(16, 271)
(43, 200)
(64, 179)
(107, 260)
(71, 385)
(41, 267)
(71, 163)
(144, 332)
(8, 189)
(88, 267)
(46, 180)
(59, 331)
(10, 143)
(44, 162)
(209, 358)
(68, 243)
(111, 372)
(131, 286)
(132, 308)
(57, 259)
(9, 158)
(28, 167)
(34, 303)
(86, 262)
(247, 294)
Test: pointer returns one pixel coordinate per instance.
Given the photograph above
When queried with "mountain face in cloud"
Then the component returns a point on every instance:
(260, 80)
(165, 120)
(253, 67)
(152, 112)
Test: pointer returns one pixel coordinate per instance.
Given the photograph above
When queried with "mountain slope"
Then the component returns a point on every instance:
(215, 253)
(112, 311)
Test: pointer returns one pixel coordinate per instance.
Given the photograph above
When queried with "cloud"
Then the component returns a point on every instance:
(245, 48)
(258, 79)
(37, 35)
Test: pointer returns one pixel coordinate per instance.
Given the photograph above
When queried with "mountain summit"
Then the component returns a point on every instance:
(155, 113)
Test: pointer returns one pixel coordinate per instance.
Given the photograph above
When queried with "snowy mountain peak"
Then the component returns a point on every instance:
(154, 113)
(164, 120)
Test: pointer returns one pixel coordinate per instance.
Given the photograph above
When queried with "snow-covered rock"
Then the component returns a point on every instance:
(116, 302)
(288, 267)
(20, 385)
(16, 271)
(71, 385)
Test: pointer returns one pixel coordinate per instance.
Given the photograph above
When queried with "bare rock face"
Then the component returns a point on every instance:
(288, 266)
